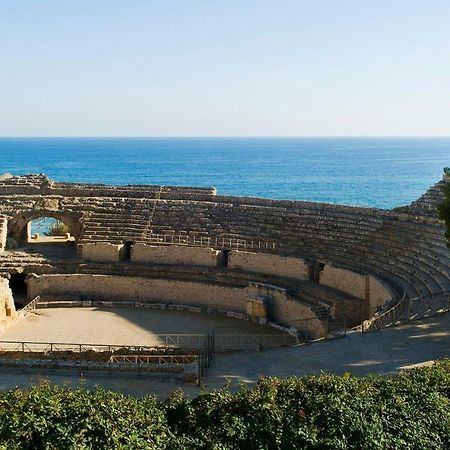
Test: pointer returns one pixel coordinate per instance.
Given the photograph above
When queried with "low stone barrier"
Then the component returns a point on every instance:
(174, 254)
(271, 264)
(363, 286)
(102, 251)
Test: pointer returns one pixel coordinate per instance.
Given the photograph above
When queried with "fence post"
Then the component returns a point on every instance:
(408, 309)
(345, 322)
(261, 347)
(210, 349)
(238, 338)
(362, 318)
(199, 369)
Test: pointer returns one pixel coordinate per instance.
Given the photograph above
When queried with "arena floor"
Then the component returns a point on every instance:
(124, 326)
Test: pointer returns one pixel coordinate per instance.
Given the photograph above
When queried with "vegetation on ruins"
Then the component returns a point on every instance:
(57, 228)
(408, 411)
(444, 207)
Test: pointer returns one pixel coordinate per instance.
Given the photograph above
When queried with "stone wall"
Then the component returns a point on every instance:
(7, 308)
(271, 264)
(365, 287)
(378, 292)
(102, 252)
(344, 280)
(117, 288)
(286, 310)
(282, 308)
(3, 232)
(174, 254)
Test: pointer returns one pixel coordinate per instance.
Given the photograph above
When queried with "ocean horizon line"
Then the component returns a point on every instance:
(230, 137)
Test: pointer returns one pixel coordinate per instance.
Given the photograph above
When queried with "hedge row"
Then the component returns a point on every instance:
(406, 411)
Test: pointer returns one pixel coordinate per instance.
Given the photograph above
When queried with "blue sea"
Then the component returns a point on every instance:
(378, 172)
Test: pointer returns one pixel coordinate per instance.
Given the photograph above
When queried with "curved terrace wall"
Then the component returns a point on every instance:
(282, 307)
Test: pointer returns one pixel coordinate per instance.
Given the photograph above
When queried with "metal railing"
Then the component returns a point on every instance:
(251, 341)
(164, 341)
(203, 241)
(30, 306)
(409, 309)
(182, 359)
(194, 341)
(138, 355)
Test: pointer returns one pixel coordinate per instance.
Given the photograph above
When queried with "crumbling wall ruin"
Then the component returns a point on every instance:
(7, 308)
(3, 232)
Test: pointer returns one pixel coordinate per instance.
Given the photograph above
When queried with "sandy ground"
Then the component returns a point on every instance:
(125, 326)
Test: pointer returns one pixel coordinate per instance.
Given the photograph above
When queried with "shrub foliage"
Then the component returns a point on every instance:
(58, 229)
(407, 411)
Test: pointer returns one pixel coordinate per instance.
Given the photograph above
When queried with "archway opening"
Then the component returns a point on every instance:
(49, 230)
(18, 286)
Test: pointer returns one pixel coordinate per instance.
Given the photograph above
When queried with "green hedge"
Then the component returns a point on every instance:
(407, 411)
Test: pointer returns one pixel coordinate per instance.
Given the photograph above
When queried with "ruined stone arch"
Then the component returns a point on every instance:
(17, 225)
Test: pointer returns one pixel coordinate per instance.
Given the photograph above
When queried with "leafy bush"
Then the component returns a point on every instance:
(406, 411)
(444, 207)
(57, 229)
(51, 417)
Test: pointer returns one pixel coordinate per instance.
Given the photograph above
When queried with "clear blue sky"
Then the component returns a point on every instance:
(226, 68)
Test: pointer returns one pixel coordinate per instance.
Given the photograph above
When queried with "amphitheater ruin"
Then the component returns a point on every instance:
(307, 270)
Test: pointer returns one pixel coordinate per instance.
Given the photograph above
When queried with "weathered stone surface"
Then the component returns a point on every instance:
(283, 308)
(102, 251)
(174, 254)
(374, 253)
(283, 266)
(3, 233)
(7, 309)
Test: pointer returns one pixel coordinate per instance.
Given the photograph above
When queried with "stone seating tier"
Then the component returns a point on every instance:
(318, 230)
(401, 245)
(426, 204)
(41, 185)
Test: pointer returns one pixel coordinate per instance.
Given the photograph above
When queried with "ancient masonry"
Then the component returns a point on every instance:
(282, 261)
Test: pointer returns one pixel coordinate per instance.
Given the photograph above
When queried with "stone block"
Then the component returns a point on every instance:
(102, 252)
(282, 266)
(174, 254)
